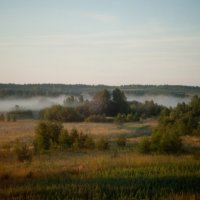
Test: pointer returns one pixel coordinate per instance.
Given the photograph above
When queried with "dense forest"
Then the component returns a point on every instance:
(30, 90)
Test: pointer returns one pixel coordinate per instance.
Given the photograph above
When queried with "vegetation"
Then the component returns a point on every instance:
(20, 114)
(30, 90)
(102, 108)
(173, 123)
(23, 152)
(50, 135)
(70, 164)
(101, 176)
(182, 120)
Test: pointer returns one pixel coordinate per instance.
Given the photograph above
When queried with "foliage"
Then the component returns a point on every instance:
(145, 110)
(120, 118)
(47, 134)
(61, 114)
(30, 90)
(23, 152)
(183, 119)
(102, 144)
(120, 104)
(166, 141)
(21, 114)
(52, 134)
(65, 140)
(145, 145)
(98, 176)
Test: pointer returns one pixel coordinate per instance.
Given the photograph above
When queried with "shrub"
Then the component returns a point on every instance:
(132, 118)
(65, 140)
(170, 143)
(120, 118)
(166, 139)
(46, 134)
(145, 145)
(23, 153)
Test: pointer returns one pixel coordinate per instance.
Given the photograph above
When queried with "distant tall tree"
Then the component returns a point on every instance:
(120, 104)
(101, 102)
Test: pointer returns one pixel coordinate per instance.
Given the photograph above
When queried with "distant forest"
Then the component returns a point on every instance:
(31, 90)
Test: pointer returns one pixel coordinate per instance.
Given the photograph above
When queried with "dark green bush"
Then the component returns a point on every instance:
(65, 140)
(145, 145)
(46, 134)
(162, 141)
(52, 135)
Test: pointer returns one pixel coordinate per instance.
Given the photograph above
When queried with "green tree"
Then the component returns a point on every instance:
(120, 104)
(101, 103)
(47, 134)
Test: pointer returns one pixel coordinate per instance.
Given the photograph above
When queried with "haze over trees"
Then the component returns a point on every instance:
(31, 90)
(104, 104)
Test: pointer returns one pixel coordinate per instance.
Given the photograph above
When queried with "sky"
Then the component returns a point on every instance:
(113, 42)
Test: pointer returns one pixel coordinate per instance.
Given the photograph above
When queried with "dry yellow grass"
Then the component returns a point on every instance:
(24, 129)
(87, 163)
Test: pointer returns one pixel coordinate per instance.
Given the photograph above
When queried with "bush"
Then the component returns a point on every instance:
(46, 134)
(81, 140)
(23, 153)
(170, 143)
(61, 114)
(120, 118)
(145, 145)
(65, 140)
(166, 140)
(52, 135)
(162, 142)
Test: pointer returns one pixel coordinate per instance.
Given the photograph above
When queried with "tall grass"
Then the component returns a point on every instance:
(99, 175)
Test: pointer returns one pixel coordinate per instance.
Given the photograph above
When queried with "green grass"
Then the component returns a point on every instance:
(115, 174)
(100, 175)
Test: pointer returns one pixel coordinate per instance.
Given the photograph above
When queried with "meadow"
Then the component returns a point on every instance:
(118, 173)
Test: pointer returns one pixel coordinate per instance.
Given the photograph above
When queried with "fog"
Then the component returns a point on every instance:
(168, 101)
(38, 103)
(34, 103)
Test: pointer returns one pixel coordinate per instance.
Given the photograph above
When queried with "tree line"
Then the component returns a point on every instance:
(102, 108)
(30, 90)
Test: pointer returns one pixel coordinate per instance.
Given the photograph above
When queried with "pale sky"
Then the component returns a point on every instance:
(100, 41)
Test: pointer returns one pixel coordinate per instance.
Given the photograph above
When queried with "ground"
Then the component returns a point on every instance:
(92, 174)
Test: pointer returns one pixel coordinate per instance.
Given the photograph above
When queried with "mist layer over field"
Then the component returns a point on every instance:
(168, 101)
(37, 103)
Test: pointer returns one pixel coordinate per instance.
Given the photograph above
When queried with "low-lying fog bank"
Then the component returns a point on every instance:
(168, 101)
(38, 103)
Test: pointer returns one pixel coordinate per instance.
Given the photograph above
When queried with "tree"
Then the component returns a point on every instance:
(47, 134)
(101, 103)
(120, 104)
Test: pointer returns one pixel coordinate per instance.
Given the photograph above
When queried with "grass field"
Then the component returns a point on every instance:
(86, 174)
